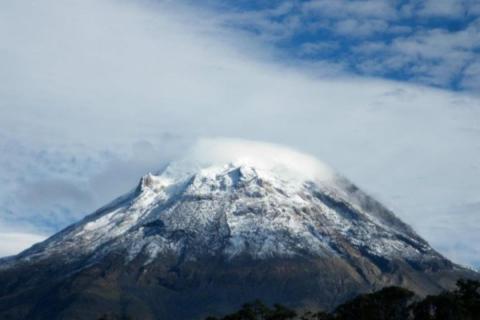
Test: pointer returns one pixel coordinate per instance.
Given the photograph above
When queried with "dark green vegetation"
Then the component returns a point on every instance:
(390, 303)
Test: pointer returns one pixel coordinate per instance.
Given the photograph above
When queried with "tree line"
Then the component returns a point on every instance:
(390, 303)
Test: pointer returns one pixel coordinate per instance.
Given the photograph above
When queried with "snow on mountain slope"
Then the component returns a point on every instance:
(231, 198)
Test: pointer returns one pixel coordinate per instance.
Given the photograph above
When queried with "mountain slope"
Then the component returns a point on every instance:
(203, 236)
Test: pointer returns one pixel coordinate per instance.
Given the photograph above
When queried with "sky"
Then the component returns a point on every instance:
(433, 42)
(95, 94)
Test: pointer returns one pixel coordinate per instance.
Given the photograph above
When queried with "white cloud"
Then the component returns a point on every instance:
(370, 47)
(436, 56)
(418, 47)
(94, 93)
(443, 8)
(471, 76)
(359, 28)
(12, 242)
(345, 8)
(261, 155)
(313, 48)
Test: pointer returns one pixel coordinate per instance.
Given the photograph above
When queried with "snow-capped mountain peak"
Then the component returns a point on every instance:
(227, 223)
(286, 205)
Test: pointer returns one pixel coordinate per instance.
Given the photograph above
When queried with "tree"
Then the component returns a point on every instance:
(257, 310)
(390, 303)
(444, 306)
(468, 293)
(112, 316)
(280, 313)
(320, 315)
(461, 304)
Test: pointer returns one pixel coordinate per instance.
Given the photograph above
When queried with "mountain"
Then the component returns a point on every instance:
(225, 224)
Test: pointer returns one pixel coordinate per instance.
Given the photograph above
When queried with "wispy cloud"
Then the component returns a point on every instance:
(379, 9)
(444, 8)
(428, 42)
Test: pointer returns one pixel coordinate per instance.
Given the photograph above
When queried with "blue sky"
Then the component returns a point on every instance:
(95, 93)
(429, 42)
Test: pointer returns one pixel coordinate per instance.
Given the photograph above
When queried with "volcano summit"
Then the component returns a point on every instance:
(229, 222)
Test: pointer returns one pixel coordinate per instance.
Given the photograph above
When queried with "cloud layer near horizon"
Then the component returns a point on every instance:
(96, 93)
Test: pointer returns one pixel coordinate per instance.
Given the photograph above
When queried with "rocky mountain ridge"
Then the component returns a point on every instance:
(198, 239)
